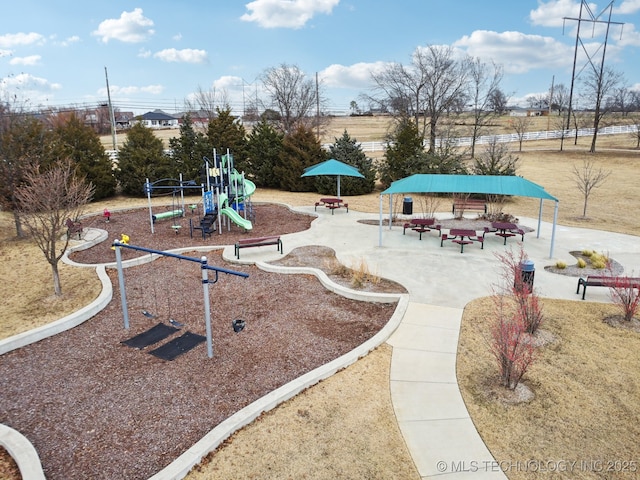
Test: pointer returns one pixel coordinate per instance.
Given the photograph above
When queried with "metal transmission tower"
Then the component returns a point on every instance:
(594, 20)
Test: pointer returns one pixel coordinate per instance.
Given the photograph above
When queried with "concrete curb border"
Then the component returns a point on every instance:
(22, 452)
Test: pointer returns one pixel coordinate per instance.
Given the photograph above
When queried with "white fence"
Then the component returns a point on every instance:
(503, 138)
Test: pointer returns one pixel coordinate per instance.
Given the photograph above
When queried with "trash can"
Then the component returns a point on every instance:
(527, 274)
(407, 206)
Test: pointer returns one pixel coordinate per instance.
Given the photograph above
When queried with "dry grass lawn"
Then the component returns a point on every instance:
(585, 384)
(586, 394)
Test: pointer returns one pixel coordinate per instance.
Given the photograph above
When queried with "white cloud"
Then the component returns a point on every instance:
(630, 36)
(131, 27)
(177, 37)
(28, 88)
(5, 53)
(9, 40)
(627, 7)
(186, 55)
(353, 76)
(70, 40)
(516, 51)
(30, 60)
(131, 90)
(552, 13)
(286, 13)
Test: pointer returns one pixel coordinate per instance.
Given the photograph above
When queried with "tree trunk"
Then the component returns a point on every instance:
(18, 224)
(584, 209)
(57, 287)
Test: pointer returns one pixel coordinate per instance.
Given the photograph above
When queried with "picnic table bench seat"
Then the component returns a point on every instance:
(258, 242)
(606, 281)
(469, 205)
(422, 225)
(331, 203)
(455, 233)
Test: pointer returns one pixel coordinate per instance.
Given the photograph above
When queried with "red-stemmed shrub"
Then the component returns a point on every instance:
(626, 295)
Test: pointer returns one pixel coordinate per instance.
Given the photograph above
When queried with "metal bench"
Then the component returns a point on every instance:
(258, 242)
(606, 281)
(469, 205)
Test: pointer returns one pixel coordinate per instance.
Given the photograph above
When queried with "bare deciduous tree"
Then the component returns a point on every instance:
(425, 90)
(296, 97)
(484, 80)
(587, 178)
(46, 201)
(521, 126)
(599, 84)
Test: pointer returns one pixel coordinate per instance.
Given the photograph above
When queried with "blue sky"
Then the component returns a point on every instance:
(158, 53)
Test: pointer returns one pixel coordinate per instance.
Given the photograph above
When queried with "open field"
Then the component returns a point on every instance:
(585, 343)
(375, 128)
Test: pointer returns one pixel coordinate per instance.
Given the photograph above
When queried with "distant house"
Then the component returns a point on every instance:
(199, 119)
(158, 119)
(528, 112)
(124, 120)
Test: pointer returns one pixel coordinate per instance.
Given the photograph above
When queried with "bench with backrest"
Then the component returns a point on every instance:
(73, 227)
(606, 281)
(258, 242)
(469, 205)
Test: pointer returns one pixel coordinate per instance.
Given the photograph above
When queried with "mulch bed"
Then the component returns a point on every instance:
(96, 408)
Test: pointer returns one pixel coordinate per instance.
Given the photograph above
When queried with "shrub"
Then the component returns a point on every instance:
(561, 265)
(587, 253)
(581, 263)
(360, 274)
(626, 296)
(512, 352)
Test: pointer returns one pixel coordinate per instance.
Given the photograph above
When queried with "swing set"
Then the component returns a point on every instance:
(205, 283)
(177, 208)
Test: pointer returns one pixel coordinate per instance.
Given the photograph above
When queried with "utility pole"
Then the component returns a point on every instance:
(317, 108)
(112, 117)
(553, 79)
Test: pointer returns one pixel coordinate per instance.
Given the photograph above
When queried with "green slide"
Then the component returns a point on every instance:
(236, 218)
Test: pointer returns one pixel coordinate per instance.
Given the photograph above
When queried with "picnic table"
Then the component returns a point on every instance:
(331, 203)
(462, 237)
(421, 225)
(504, 230)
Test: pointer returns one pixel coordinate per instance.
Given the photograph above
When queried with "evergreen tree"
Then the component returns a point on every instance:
(264, 146)
(496, 159)
(403, 155)
(23, 140)
(300, 150)
(142, 156)
(75, 141)
(347, 150)
(224, 132)
(188, 150)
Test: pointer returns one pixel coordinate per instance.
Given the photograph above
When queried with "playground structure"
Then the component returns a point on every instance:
(117, 245)
(226, 196)
(227, 192)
